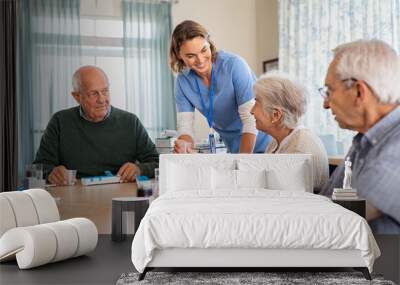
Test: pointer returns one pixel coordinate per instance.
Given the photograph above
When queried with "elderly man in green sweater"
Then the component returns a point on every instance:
(95, 137)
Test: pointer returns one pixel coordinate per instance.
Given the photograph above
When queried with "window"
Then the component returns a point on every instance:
(101, 40)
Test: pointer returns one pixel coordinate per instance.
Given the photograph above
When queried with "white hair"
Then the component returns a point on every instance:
(76, 78)
(279, 90)
(372, 61)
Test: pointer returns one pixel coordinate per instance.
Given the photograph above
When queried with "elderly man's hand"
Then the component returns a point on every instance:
(128, 172)
(58, 175)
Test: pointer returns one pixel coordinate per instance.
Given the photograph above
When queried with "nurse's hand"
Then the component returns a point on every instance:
(183, 146)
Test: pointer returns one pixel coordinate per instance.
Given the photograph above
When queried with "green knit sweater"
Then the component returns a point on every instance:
(92, 148)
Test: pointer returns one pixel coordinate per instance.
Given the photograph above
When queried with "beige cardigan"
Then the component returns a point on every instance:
(303, 140)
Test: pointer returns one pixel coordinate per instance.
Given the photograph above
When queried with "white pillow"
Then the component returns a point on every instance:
(188, 177)
(292, 179)
(283, 171)
(223, 179)
(251, 178)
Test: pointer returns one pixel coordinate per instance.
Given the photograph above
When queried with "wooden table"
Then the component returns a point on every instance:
(92, 202)
(335, 159)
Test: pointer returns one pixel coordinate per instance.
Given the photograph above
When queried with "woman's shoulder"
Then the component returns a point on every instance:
(304, 133)
(306, 139)
(184, 77)
(226, 55)
(228, 59)
(272, 146)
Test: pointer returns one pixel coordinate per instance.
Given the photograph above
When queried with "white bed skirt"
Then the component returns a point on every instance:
(235, 257)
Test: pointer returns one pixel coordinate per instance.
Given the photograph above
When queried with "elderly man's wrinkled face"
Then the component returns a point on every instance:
(94, 94)
(341, 100)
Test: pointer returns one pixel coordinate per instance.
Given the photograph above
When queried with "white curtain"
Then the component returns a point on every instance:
(149, 82)
(49, 51)
(310, 29)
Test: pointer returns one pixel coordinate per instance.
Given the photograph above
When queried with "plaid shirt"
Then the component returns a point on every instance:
(375, 158)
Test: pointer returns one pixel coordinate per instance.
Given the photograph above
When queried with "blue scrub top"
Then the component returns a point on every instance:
(233, 87)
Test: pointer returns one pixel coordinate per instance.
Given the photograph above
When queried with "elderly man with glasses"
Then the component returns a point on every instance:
(95, 137)
(361, 89)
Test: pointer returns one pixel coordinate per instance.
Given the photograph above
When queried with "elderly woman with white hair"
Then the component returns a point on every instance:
(280, 103)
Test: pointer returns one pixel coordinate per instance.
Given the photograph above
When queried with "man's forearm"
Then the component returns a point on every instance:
(372, 212)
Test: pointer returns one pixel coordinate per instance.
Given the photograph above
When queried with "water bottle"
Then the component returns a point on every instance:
(211, 143)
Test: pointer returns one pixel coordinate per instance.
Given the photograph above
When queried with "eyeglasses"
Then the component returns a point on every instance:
(325, 92)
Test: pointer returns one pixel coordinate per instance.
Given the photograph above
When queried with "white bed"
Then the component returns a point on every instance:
(247, 211)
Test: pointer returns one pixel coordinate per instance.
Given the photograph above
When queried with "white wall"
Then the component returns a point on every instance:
(231, 23)
(267, 31)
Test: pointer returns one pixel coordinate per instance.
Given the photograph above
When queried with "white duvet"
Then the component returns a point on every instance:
(252, 218)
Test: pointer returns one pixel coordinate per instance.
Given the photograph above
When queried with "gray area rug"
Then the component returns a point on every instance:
(226, 278)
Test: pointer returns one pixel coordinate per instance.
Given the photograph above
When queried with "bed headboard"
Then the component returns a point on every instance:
(282, 171)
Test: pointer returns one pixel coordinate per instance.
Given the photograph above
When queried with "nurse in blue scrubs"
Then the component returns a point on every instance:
(218, 84)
